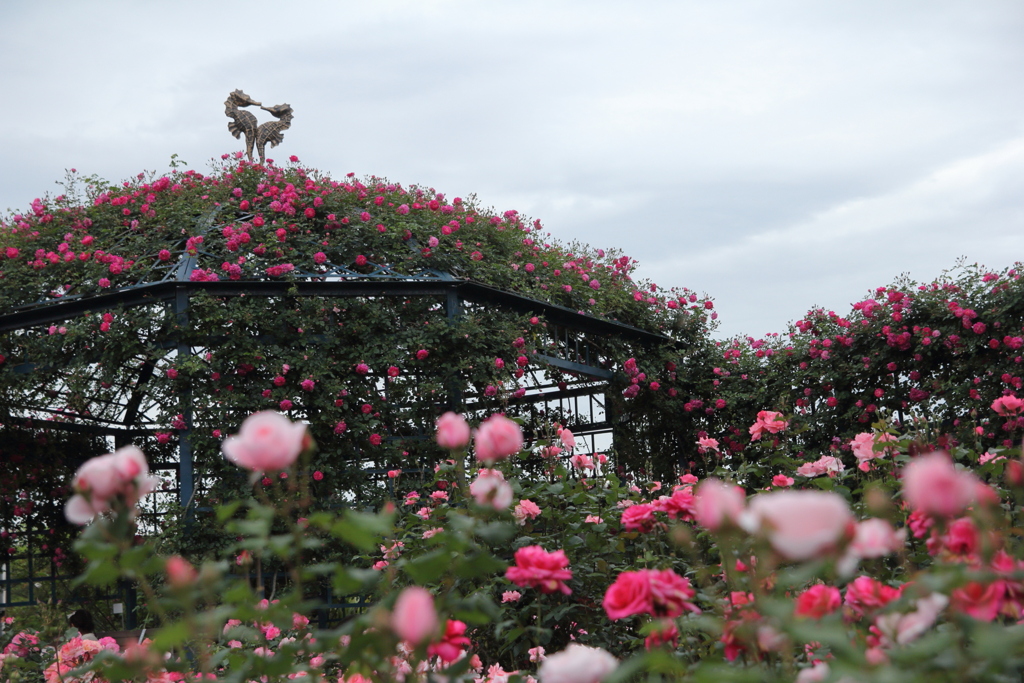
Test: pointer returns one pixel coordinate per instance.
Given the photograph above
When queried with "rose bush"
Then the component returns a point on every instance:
(793, 589)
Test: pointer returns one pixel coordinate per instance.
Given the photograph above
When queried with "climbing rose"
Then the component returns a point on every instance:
(577, 664)
(497, 438)
(267, 441)
(540, 569)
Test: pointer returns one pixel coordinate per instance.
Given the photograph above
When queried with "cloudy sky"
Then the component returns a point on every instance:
(776, 155)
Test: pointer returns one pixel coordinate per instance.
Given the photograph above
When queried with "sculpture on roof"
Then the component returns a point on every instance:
(244, 122)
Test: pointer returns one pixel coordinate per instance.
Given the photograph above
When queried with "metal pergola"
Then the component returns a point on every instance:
(572, 344)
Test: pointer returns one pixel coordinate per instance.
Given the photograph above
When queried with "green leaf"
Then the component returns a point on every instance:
(430, 567)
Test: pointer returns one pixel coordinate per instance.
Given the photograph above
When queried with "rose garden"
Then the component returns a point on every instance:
(266, 425)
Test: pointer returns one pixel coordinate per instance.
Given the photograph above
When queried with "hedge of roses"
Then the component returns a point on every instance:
(910, 569)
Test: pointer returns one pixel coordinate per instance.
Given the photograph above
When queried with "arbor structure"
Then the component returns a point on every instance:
(163, 311)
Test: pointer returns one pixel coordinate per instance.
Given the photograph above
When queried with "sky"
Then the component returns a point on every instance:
(775, 155)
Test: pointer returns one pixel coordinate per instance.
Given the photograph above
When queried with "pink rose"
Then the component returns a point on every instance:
(452, 644)
(705, 444)
(1008, 405)
(452, 431)
(511, 596)
(800, 525)
(266, 442)
(526, 509)
(717, 503)
(497, 438)
(414, 618)
(567, 438)
(670, 593)
(577, 664)
(540, 569)
(865, 593)
(932, 485)
(767, 421)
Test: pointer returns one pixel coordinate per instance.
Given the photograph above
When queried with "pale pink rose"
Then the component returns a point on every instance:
(123, 475)
(876, 538)
(577, 664)
(266, 442)
(901, 629)
(717, 503)
(568, 440)
(452, 431)
(497, 438)
(537, 654)
(414, 618)
(593, 519)
(811, 469)
(800, 525)
(491, 490)
(826, 464)
(511, 596)
(526, 509)
(863, 446)
(430, 533)
(934, 486)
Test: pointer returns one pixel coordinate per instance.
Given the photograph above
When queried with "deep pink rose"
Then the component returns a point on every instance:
(452, 644)
(670, 593)
(629, 595)
(638, 518)
(540, 569)
(497, 438)
(818, 601)
(452, 431)
(414, 618)
(266, 442)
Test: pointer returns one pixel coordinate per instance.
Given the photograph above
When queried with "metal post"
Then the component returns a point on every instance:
(186, 485)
